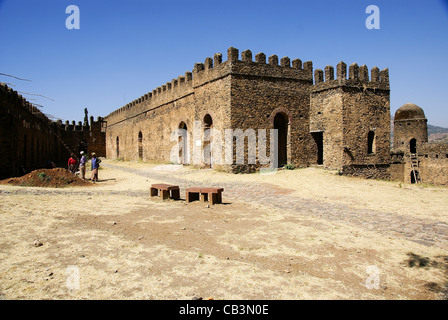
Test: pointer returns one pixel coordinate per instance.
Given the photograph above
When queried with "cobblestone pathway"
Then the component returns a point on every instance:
(424, 231)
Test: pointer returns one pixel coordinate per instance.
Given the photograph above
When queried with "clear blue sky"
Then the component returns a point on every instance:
(125, 49)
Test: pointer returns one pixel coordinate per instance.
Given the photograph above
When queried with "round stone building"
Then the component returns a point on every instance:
(410, 128)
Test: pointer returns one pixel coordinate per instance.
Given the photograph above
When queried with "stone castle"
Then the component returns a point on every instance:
(323, 119)
(338, 119)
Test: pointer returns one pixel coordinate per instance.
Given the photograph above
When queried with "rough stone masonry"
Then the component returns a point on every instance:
(338, 121)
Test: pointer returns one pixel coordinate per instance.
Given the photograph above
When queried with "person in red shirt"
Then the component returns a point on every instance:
(72, 164)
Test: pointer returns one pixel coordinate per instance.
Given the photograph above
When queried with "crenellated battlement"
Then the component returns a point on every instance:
(16, 100)
(80, 126)
(169, 91)
(246, 65)
(213, 69)
(358, 76)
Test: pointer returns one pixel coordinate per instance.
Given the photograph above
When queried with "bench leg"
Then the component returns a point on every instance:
(175, 194)
(204, 197)
(153, 192)
(164, 194)
(219, 197)
(192, 196)
(212, 198)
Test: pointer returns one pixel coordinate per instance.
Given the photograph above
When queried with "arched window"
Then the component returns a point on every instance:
(182, 143)
(371, 142)
(207, 152)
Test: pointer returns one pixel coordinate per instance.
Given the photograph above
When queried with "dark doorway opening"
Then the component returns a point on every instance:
(319, 140)
(413, 145)
(182, 143)
(371, 142)
(281, 123)
(207, 151)
(140, 146)
(118, 148)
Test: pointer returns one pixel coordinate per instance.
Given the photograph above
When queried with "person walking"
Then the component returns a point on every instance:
(71, 163)
(82, 165)
(95, 165)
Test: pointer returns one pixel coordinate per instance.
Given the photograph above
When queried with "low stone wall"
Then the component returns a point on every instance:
(377, 171)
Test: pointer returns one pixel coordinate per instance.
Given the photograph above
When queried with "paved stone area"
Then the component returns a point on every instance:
(424, 231)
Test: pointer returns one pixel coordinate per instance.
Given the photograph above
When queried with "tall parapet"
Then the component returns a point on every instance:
(260, 57)
(217, 59)
(232, 54)
(273, 60)
(357, 76)
(246, 55)
(329, 73)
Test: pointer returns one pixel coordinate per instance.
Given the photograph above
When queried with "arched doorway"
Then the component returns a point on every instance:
(118, 147)
(319, 140)
(281, 123)
(413, 145)
(182, 143)
(207, 152)
(140, 146)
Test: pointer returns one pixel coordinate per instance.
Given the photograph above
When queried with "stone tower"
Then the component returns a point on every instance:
(350, 118)
(410, 128)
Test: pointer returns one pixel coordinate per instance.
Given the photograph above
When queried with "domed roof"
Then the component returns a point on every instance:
(409, 111)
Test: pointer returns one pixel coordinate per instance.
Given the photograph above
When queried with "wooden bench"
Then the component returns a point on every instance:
(165, 190)
(212, 195)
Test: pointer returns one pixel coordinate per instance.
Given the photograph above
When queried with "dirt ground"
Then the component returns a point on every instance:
(294, 234)
(54, 178)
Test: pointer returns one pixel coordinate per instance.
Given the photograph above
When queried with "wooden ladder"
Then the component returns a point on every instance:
(415, 167)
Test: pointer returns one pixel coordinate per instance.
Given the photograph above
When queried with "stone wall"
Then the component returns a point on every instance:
(347, 111)
(261, 90)
(205, 91)
(236, 94)
(25, 139)
(397, 165)
(434, 163)
(405, 130)
(254, 93)
(87, 137)
(28, 139)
